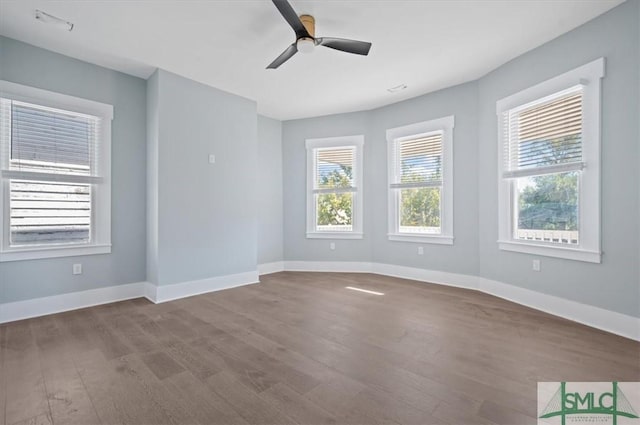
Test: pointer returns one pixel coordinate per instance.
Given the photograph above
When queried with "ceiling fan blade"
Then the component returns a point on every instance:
(349, 46)
(292, 18)
(284, 56)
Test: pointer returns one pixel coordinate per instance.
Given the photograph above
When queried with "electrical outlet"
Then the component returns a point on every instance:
(212, 159)
(332, 246)
(420, 250)
(536, 265)
(77, 269)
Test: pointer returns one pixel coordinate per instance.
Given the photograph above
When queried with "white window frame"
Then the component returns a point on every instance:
(589, 227)
(356, 141)
(445, 125)
(100, 191)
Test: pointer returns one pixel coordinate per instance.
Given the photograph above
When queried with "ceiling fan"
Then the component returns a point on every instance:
(304, 28)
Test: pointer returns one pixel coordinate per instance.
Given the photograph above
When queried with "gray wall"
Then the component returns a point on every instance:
(269, 196)
(294, 134)
(460, 101)
(207, 219)
(32, 66)
(614, 284)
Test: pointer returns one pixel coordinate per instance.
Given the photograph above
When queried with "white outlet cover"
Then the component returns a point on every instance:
(332, 246)
(536, 265)
(420, 250)
(77, 269)
(212, 159)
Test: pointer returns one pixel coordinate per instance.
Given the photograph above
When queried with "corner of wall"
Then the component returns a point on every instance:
(153, 122)
(270, 191)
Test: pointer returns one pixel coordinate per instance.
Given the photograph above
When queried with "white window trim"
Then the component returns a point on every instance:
(100, 193)
(358, 202)
(446, 125)
(589, 247)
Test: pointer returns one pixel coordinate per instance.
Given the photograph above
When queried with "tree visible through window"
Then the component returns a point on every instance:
(335, 209)
(548, 202)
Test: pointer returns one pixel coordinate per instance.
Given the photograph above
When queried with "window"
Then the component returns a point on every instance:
(334, 187)
(420, 165)
(550, 167)
(55, 174)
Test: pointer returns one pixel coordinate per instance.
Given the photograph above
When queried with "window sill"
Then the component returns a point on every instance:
(551, 251)
(434, 239)
(53, 252)
(334, 235)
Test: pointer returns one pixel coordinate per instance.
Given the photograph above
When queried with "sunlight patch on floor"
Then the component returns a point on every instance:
(364, 290)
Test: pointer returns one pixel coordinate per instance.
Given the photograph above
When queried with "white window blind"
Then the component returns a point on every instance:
(418, 162)
(50, 158)
(545, 136)
(334, 170)
(49, 144)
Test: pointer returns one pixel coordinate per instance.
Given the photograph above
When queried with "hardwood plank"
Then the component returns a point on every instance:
(162, 365)
(26, 394)
(66, 395)
(205, 406)
(300, 348)
(109, 342)
(503, 415)
(252, 377)
(447, 412)
(240, 327)
(336, 395)
(123, 390)
(116, 401)
(36, 420)
(195, 360)
(227, 343)
(377, 404)
(247, 404)
(136, 338)
(295, 406)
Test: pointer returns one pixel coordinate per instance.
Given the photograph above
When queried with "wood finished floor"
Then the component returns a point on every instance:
(300, 348)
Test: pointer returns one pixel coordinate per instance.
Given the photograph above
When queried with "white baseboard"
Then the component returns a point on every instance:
(610, 321)
(10, 312)
(149, 291)
(328, 266)
(164, 293)
(596, 317)
(268, 268)
(430, 276)
(26, 309)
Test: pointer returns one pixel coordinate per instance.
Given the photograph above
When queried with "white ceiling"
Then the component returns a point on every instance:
(427, 45)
